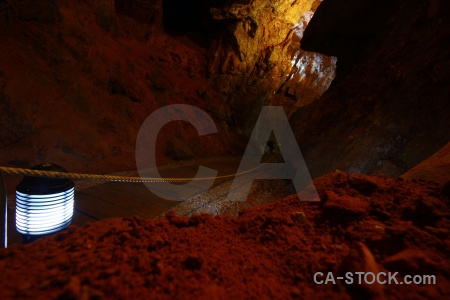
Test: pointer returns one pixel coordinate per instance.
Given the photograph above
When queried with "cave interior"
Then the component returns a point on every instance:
(363, 84)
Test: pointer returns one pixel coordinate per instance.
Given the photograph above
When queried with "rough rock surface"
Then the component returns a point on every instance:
(436, 167)
(388, 110)
(109, 64)
(147, 12)
(268, 252)
(46, 11)
(76, 85)
(256, 60)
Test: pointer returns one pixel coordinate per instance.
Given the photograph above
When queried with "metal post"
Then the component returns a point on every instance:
(3, 213)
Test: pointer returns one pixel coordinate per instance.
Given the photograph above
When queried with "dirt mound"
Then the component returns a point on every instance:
(436, 167)
(362, 223)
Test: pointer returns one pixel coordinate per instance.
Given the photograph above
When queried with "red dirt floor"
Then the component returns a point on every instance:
(362, 223)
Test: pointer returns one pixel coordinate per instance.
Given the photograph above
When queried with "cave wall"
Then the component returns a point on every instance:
(78, 79)
(110, 64)
(45, 11)
(107, 14)
(256, 58)
(389, 109)
(147, 12)
(351, 30)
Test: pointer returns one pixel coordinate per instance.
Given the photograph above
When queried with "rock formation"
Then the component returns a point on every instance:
(385, 112)
(256, 60)
(77, 80)
(388, 109)
(435, 168)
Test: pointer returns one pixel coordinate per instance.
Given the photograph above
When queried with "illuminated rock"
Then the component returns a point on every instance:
(257, 59)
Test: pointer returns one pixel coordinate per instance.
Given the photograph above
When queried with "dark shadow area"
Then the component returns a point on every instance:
(190, 18)
(347, 30)
(385, 111)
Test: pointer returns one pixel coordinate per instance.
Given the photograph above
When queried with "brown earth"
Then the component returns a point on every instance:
(78, 78)
(436, 167)
(362, 223)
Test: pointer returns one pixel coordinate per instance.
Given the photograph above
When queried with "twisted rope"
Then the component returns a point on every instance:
(78, 176)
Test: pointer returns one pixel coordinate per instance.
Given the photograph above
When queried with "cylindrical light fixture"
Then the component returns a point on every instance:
(44, 205)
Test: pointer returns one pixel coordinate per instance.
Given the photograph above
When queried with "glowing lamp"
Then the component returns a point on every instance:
(44, 205)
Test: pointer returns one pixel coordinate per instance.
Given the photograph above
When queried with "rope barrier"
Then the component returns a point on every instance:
(78, 176)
